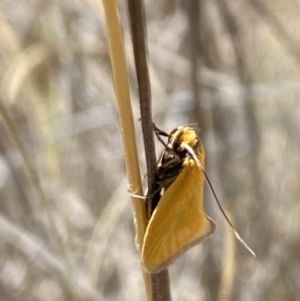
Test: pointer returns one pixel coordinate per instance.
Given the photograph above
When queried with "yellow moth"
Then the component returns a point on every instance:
(179, 221)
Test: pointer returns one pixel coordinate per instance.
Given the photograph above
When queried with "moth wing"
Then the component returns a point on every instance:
(179, 221)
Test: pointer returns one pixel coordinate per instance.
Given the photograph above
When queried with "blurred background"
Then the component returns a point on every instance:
(232, 67)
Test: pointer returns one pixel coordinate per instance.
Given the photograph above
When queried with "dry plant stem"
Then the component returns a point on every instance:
(160, 281)
(32, 176)
(32, 247)
(194, 47)
(138, 28)
(20, 69)
(229, 266)
(122, 91)
(102, 232)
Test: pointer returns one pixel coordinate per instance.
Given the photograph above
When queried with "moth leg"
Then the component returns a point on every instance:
(144, 197)
(160, 132)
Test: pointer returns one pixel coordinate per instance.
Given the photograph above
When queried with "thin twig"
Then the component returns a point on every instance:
(138, 28)
(122, 91)
(229, 264)
(159, 281)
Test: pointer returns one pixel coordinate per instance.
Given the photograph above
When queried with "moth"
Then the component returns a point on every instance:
(179, 220)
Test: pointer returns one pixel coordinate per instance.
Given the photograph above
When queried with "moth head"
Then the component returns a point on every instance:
(181, 137)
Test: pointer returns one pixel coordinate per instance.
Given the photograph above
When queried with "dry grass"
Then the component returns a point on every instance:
(68, 233)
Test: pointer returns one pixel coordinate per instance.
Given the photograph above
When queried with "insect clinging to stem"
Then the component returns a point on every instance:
(179, 220)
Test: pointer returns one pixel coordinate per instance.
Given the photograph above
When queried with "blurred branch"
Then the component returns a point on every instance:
(234, 33)
(20, 68)
(246, 80)
(229, 263)
(102, 231)
(33, 248)
(271, 20)
(195, 16)
(32, 176)
(159, 281)
(25, 203)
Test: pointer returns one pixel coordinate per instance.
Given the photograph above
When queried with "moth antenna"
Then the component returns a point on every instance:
(192, 153)
(238, 237)
(193, 125)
